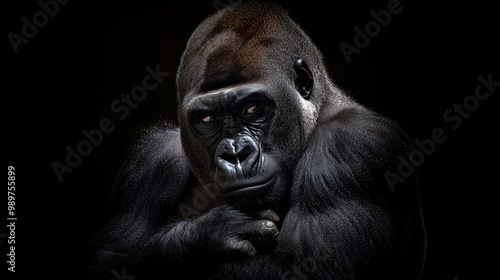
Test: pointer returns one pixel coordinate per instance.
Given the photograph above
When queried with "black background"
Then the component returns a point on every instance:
(66, 77)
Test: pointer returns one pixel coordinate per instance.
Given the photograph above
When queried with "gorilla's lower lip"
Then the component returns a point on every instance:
(233, 190)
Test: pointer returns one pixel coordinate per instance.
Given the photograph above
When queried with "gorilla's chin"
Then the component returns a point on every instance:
(249, 186)
(238, 179)
(268, 195)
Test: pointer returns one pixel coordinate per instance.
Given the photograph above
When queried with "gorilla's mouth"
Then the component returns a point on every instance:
(251, 174)
(249, 186)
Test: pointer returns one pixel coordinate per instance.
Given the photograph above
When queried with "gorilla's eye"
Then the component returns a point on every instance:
(253, 109)
(208, 119)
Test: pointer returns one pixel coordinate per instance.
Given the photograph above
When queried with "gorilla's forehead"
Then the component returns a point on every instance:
(248, 21)
(228, 59)
(224, 96)
(236, 46)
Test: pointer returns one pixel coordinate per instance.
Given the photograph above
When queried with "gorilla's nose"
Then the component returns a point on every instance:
(237, 155)
(227, 151)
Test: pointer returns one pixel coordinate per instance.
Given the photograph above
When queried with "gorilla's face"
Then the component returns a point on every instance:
(230, 124)
(248, 139)
(245, 111)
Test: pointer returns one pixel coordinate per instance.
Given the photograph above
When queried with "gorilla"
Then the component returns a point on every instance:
(272, 173)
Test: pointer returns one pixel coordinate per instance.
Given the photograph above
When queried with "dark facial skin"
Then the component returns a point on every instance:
(230, 124)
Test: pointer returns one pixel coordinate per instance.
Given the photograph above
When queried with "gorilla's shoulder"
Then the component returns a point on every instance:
(160, 138)
(160, 128)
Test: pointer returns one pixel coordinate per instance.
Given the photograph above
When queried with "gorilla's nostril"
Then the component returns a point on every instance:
(235, 158)
(230, 158)
(236, 150)
(243, 152)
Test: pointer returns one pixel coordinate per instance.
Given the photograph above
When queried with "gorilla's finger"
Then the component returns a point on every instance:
(270, 215)
(262, 231)
(240, 247)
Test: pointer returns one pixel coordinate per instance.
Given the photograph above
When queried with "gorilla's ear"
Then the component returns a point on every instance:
(304, 80)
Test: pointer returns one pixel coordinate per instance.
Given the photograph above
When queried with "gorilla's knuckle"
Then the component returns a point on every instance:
(268, 227)
(238, 245)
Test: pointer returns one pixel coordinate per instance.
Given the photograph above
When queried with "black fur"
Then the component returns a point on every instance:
(329, 214)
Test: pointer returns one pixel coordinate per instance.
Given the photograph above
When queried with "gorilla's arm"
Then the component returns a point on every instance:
(343, 218)
(147, 237)
(146, 191)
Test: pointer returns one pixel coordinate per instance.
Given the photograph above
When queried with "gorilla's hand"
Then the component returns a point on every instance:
(228, 232)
